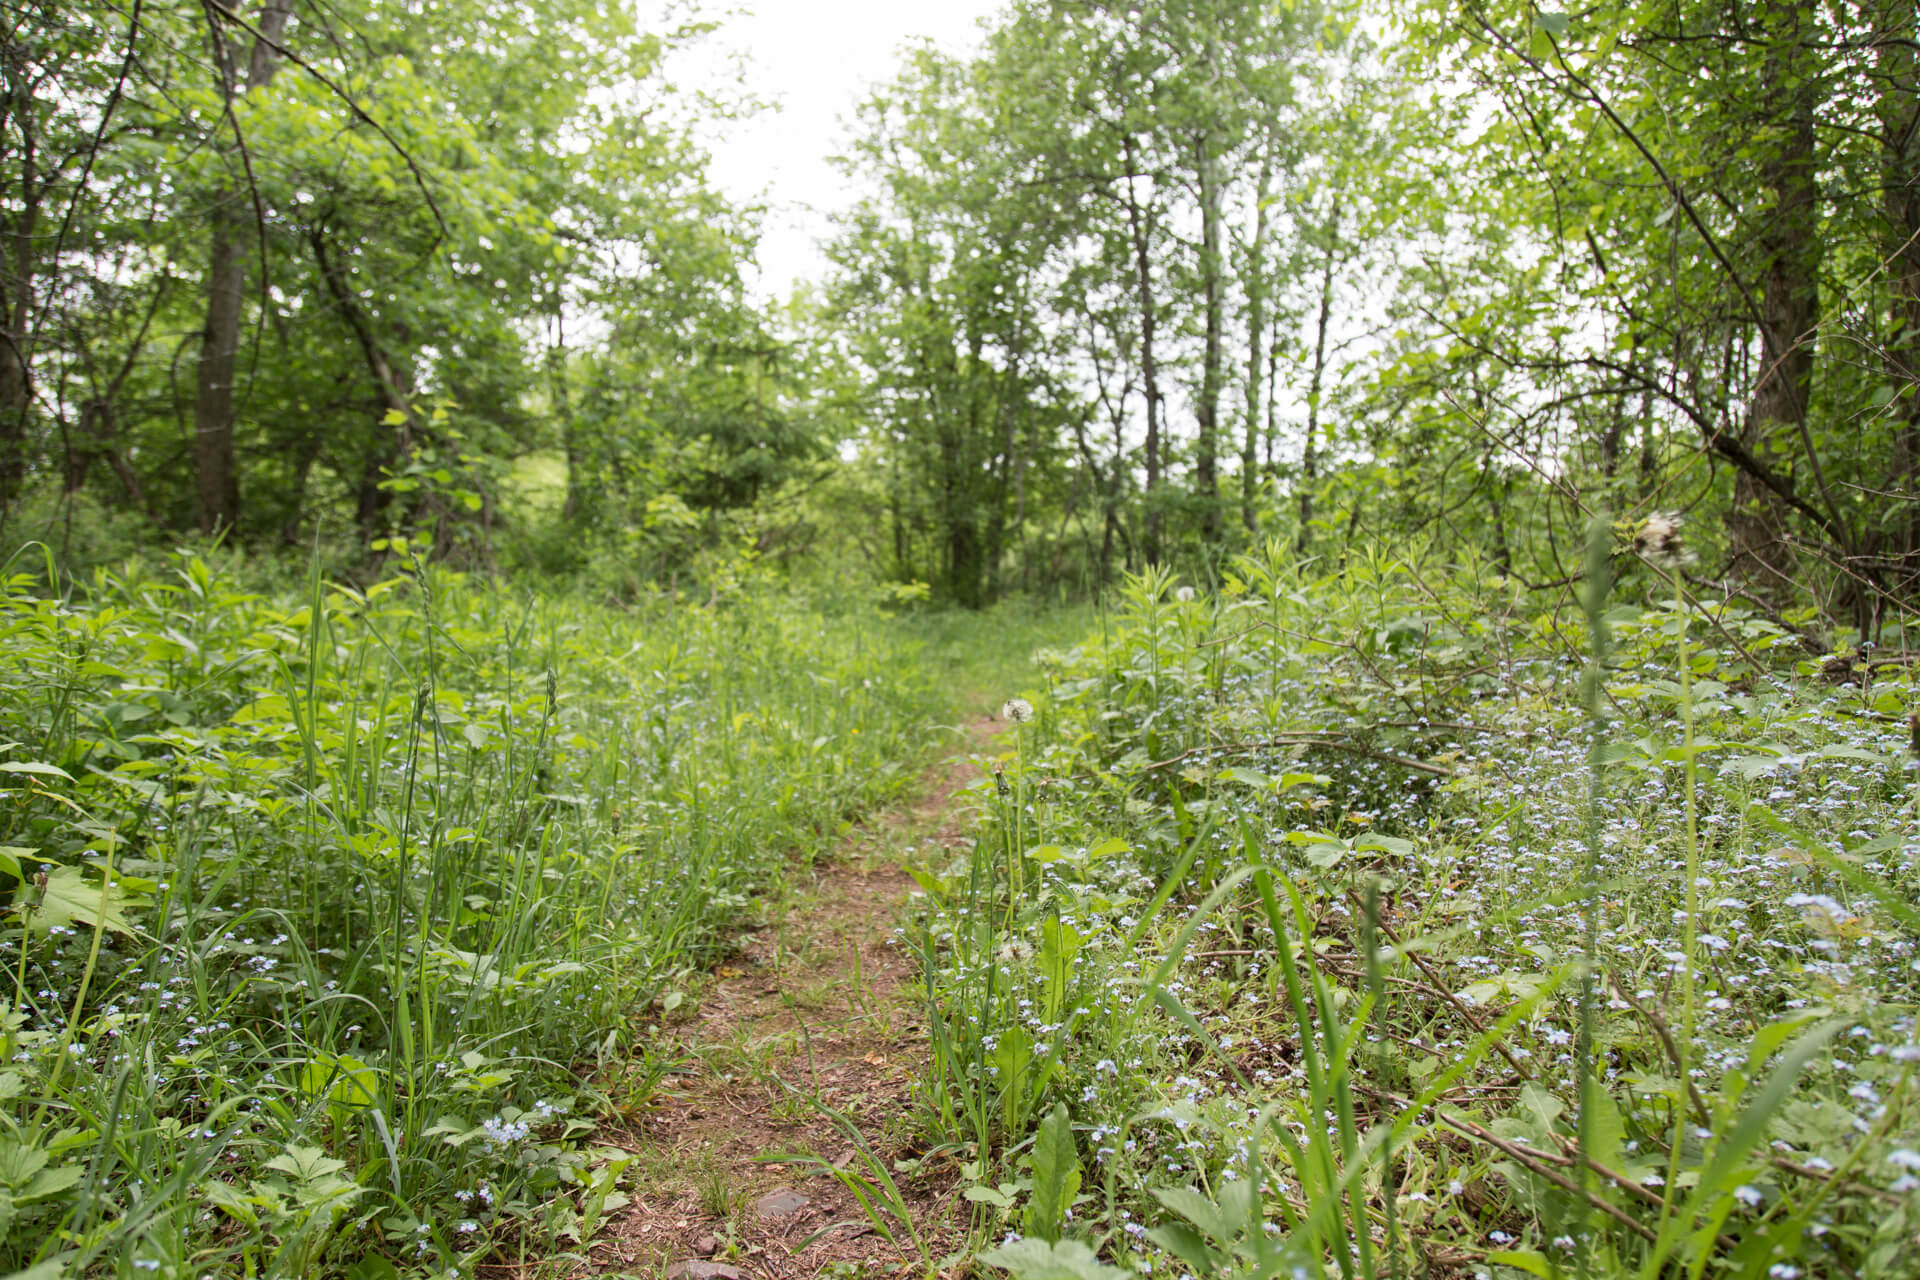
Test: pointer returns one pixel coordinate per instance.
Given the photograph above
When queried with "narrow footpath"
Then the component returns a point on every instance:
(816, 1013)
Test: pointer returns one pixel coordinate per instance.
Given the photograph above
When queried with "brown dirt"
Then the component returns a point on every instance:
(821, 1006)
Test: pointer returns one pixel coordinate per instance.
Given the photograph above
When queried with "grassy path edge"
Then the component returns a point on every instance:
(805, 1043)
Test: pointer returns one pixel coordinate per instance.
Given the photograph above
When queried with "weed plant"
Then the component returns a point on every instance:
(333, 920)
(1336, 892)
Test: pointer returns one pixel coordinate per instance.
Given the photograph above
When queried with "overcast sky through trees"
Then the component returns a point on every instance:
(817, 60)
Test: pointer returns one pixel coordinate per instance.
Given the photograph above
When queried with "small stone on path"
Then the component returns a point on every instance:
(702, 1271)
(779, 1202)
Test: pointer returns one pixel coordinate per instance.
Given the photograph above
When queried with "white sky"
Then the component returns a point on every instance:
(816, 59)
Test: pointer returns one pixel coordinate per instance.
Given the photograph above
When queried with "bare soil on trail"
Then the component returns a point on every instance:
(819, 1006)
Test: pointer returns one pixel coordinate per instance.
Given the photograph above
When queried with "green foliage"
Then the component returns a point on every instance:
(413, 203)
(337, 916)
(1056, 1177)
(1031, 1259)
(1350, 953)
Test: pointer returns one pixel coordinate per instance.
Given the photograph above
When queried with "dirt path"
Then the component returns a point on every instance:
(817, 1009)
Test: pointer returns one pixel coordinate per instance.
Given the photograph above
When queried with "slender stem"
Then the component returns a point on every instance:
(1683, 1049)
(1594, 602)
(86, 982)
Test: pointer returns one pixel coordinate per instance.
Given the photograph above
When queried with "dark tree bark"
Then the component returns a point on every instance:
(1899, 113)
(1139, 225)
(1206, 473)
(217, 478)
(1789, 252)
(390, 443)
(965, 553)
(19, 228)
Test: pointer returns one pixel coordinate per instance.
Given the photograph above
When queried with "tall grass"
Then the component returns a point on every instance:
(1418, 926)
(332, 913)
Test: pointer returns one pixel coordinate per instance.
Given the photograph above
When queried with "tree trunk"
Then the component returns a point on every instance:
(389, 443)
(1206, 448)
(18, 230)
(1256, 338)
(1789, 307)
(575, 501)
(1899, 111)
(217, 479)
(962, 508)
(1309, 453)
(1497, 494)
(1138, 225)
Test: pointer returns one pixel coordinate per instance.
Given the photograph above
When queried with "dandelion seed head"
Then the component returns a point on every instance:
(1658, 540)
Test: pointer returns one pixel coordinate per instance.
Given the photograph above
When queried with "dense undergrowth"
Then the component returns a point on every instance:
(333, 918)
(1404, 924)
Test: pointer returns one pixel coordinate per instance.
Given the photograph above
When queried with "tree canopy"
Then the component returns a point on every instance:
(1130, 284)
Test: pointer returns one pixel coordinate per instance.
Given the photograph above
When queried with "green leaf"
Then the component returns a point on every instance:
(49, 1182)
(1184, 1243)
(1531, 1261)
(69, 898)
(1751, 767)
(1056, 1175)
(20, 1163)
(1197, 1209)
(306, 1163)
(1031, 1259)
(1849, 753)
(1605, 1129)
(37, 768)
(52, 1270)
(230, 1202)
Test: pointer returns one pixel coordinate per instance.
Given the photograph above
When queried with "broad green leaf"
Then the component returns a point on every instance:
(49, 1182)
(20, 1162)
(1030, 1259)
(1197, 1209)
(1184, 1243)
(1531, 1261)
(51, 1270)
(37, 768)
(1056, 1175)
(71, 898)
(306, 1163)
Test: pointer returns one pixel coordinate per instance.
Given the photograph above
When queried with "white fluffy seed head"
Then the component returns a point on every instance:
(1659, 541)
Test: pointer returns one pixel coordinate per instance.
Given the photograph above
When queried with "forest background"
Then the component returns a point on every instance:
(1130, 285)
